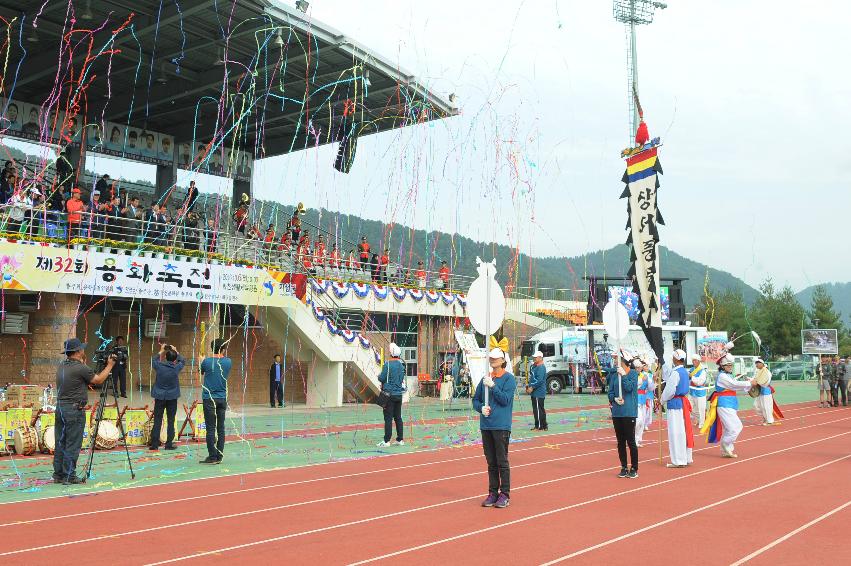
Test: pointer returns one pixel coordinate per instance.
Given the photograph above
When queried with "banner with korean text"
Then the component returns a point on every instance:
(34, 267)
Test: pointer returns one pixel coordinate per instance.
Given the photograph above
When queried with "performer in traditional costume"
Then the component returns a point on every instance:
(722, 422)
(645, 399)
(698, 389)
(764, 403)
(675, 397)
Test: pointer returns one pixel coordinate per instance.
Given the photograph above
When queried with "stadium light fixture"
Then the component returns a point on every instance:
(366, 80)
(279, 38)
(302, 5)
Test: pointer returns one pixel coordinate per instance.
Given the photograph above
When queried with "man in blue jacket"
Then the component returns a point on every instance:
(392, 380)
(537, 389)
(165, 393)
(495, 425)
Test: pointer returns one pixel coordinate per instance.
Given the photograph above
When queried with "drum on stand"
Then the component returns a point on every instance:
(26, 440)
(755, 391)
(106, 436)
(149, 429)
(48, 439)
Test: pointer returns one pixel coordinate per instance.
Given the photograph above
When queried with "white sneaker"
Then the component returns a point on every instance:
(400, 443)
(383, 444)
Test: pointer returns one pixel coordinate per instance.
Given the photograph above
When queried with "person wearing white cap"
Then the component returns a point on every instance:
(697, 389)
(723, 423)
(644, 399)
(537, 390)
(495, 425)
(764, 402)
(392, 378)
(678, 411)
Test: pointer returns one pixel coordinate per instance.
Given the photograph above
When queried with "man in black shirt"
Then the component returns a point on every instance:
(72, 378)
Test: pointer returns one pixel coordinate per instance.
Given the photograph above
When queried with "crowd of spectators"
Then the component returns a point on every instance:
(106, 213)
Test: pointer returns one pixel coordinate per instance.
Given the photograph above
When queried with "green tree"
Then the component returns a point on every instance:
(822, 315)
(726, 311)
(778, 317)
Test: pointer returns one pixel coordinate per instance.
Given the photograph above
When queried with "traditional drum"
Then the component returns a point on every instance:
(755, 391)
(149, 428)
(107, 435)
(26, 440)
(48, 439)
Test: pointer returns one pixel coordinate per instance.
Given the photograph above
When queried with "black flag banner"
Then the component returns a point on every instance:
(642, 183)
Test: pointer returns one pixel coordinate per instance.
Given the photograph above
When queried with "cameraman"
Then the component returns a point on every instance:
(72, 377)
(119, 372)
(165, 392)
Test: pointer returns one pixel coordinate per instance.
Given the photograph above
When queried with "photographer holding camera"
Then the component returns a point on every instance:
(72, 378)
(165, 392)
(119, 372)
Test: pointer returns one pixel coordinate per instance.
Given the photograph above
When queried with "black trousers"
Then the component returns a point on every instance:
(625, 433)
(169, 406)
(70, 422)
(119, 379)
(495, 445)
(843, 391)
(539, 412)
(214, 421)
(393, 412)
(276, 391)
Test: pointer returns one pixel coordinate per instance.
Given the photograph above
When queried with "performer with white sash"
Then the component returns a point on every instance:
(697, 389)
(645, 400)
(764, 403)
(675, 397)
(722, 422)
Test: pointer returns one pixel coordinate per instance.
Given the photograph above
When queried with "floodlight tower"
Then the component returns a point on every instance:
(633, 13)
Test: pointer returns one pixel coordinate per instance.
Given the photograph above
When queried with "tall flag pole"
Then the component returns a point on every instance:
(642, 183)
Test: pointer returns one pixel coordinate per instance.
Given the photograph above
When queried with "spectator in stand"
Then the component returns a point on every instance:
(254, 232)
(420, 274)
(192, 227)
(155, 228)
(94, 224)
(319, 252)
(6, 189)
(109, 212)
(75, 207)
(285, 246)
(64, 169)
(211, 234)
(130, 214)
(269, 242)
(304, 255)
(334, 259)
(304, 240)
(384, 262)
(294, 227)
(20, 205)
(375, 268)
(103, 185)
(351, 261)
(444, 275)
(240, 215)
(191, 196)
(363, 251)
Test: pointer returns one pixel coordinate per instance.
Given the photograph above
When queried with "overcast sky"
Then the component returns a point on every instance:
(750, 99)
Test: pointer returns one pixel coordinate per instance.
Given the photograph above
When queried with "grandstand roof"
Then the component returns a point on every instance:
(163, 71)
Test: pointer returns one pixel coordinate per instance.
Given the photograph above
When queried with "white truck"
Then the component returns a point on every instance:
(587, 352)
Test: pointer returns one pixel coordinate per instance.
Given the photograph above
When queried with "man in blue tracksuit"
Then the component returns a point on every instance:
(495, 424)
(537, 388)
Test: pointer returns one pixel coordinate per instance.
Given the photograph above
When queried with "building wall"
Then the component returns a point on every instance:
(33, 358)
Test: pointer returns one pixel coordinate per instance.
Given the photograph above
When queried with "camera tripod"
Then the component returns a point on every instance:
(107, 388)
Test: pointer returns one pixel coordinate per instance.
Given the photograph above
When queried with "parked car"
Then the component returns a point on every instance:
(795, 369)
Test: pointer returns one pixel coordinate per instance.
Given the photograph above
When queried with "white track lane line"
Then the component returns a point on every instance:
(325, 478)
(545, 513)
(327, 499)
(302, 482)
(355, 494)
(450, 502)
(789, 535)
(710, 506)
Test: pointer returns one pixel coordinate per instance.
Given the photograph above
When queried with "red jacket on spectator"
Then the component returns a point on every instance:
(285, 241)
(304, 256)
(75, 207)
(319, 253)
(444, 274)
(334, 260)
(385, 261)
(363, 250)
(421, 274)
(270, 236)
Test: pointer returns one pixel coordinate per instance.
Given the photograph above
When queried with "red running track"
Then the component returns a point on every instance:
(423, 508)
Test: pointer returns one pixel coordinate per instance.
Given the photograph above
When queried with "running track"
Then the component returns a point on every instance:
(423, 508)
